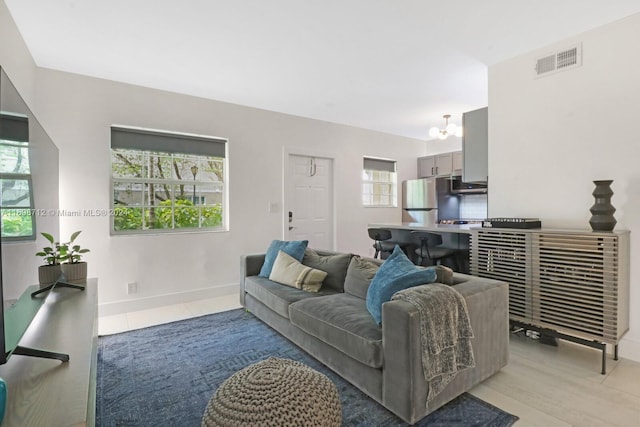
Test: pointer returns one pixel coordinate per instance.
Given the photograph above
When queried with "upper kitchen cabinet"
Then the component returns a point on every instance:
(436, 165)
(475, 142)
(457, 163)
(426, 166)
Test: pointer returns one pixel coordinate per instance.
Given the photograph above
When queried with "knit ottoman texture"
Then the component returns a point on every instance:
(275, 392)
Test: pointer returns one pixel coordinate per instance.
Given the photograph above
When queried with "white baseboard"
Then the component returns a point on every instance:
(126, 306)
(629, 349)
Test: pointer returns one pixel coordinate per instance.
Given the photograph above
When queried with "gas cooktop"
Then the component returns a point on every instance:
(460, 221)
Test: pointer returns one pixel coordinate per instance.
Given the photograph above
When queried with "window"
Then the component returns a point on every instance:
(165, 181)
(16, 195)
(379, 188)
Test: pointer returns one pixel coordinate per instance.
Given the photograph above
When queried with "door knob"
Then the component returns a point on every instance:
(290, 221)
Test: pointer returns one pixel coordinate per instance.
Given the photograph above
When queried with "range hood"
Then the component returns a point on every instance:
(460, 187)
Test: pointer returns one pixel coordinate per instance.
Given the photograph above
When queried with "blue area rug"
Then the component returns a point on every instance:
(165, 375)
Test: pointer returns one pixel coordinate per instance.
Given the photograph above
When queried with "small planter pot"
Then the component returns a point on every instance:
(74, 273)
(47, 274)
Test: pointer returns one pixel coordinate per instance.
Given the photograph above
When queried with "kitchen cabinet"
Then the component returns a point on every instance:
(457, 162)
(475, 145)
(426, 166)
(436, 165)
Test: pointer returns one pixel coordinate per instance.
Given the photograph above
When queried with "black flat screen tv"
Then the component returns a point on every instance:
(3, 347)
(28, 205)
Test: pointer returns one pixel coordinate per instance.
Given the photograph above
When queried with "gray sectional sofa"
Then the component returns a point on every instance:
(384, 361)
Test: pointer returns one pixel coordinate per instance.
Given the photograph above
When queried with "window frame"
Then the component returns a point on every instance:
(377, 164)
(28, 210)
(172, 183)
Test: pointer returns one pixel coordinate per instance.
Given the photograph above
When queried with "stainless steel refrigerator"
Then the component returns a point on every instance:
(419, 201)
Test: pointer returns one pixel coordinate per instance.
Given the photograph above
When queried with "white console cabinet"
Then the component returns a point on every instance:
(47, 392)
(568, 284)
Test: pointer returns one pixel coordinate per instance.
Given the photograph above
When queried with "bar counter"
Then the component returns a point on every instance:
(455, 236)
(436, 228)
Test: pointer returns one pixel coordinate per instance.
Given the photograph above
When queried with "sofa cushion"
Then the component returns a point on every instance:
(395, 274)
(334, 265)
(294, 248)
(276, 296)
(289, 271)
(342, 321)
(359, 275)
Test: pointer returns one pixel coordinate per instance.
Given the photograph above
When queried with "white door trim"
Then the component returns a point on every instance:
(309, 152)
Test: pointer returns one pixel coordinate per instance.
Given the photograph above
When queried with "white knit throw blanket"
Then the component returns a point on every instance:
(445, 333)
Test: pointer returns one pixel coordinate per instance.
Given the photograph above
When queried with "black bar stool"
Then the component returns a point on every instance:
(429, 248)
(380, 244)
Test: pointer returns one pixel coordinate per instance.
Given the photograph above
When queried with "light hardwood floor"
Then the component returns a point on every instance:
(543, 385)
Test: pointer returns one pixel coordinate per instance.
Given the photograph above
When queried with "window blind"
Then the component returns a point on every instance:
(14, 128)
(371, 163)
(151, 140)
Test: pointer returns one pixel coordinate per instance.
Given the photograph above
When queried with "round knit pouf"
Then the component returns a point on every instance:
(275, 392)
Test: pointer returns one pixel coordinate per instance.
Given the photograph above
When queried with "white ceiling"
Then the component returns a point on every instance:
(394, 66)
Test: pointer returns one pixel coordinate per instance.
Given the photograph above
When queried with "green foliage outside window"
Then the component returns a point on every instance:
(156, 191)
(186, 215)
(16, 223)
(16, 202)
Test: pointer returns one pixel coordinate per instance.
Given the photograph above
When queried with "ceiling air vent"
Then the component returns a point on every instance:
(559, 61)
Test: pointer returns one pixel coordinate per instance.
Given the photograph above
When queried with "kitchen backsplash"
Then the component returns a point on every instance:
(473, 206)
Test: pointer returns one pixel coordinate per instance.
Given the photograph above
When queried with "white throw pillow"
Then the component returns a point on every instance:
(289, 271)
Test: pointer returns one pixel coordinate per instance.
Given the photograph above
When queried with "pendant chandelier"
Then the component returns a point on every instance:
(449, 129)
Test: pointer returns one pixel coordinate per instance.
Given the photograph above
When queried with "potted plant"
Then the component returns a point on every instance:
(72, 266)
(50, 271)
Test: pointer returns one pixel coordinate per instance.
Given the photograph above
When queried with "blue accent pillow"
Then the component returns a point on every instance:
(295, 248)
(395, 274)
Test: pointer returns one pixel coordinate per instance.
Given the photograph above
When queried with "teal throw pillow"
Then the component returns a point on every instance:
(295, 248)
(395, 274)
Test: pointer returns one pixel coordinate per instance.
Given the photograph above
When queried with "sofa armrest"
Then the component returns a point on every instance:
(250, 265)
(404, 389)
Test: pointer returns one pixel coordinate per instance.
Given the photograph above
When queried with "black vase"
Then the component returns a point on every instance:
(602, 211)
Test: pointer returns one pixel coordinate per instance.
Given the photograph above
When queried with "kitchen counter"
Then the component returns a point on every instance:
(454, 236)
(447, 228)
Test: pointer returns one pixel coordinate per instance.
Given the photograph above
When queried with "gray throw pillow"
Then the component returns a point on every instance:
(359, 275)
(334, 265)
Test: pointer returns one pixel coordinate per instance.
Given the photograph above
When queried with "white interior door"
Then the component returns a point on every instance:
(310, 201)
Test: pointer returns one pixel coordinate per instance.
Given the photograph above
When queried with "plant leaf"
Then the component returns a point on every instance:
(48, 236)
(74, 235)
